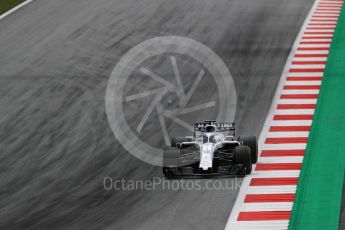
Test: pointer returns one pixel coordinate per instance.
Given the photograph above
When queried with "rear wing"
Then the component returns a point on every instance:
(221, 126)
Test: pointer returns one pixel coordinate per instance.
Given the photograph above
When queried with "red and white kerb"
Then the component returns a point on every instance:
(266, 197)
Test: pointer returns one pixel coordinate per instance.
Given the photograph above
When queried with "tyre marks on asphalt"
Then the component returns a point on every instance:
(267, 196)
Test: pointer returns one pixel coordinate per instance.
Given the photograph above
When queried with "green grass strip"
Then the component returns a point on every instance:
(319, 191)
(6, 5)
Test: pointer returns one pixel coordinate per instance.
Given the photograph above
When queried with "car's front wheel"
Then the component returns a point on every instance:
(171, 162)
(252, 143)
(242, 156)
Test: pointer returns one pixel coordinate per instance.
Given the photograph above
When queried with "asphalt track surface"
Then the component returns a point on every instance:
(56, 143)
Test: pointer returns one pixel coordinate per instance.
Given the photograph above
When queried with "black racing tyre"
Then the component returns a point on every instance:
(242, 156)
(176, 140)
(252, 143)
(171, 157)
(167, 172)
(173, 142)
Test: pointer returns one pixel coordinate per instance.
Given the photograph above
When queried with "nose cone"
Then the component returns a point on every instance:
(206, 158)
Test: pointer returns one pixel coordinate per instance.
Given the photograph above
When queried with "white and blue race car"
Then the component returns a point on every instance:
(213, 150)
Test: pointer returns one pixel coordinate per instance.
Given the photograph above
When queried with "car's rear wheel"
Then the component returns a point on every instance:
(252, 143)
(176, 140)
(242, 156)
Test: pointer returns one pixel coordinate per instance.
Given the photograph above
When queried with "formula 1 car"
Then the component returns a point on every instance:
(212, 151)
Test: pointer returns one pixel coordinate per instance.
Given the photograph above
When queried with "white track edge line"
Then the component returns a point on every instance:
(15, 9)
(265, 129)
